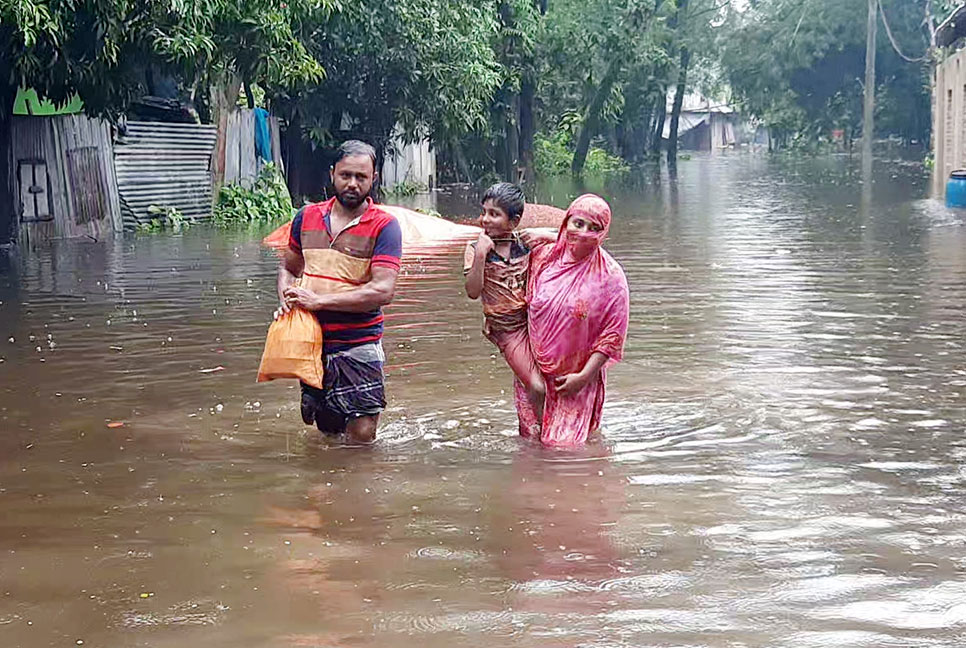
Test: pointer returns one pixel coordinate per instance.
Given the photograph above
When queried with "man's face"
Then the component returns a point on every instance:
(352, 178)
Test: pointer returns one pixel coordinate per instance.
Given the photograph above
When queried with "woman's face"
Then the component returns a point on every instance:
(582, 235)
(580, 224)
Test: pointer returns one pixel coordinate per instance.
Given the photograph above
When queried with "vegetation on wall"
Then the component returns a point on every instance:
(266, 201)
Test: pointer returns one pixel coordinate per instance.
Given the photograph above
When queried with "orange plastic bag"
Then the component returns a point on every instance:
(293, 349)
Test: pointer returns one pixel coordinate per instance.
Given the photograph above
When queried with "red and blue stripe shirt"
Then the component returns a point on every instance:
(343, 263)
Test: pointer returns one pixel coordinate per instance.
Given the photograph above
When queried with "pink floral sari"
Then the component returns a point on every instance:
(576, 308)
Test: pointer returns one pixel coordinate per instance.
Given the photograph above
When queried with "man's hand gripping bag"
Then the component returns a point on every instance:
(293, 349)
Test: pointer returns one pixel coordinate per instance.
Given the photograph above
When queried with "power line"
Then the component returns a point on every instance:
(892, 39)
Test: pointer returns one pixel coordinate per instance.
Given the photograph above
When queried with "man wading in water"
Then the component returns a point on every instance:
(341, 263)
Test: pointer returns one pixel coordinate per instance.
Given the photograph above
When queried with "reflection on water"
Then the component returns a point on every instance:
(783, 465)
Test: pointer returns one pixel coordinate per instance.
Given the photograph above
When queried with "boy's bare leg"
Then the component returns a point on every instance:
(537, 390)
(362, 430)
(516, 351)
(537, 399)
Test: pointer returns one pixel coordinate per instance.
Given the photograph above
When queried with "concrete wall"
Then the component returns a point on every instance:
(949, 120)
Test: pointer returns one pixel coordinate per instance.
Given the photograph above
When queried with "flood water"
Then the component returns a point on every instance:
(783, 459)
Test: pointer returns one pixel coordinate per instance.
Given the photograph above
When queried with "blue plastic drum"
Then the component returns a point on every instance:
(956, 189)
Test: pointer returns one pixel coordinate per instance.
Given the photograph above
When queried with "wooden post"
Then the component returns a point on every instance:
(8, 211)
(224, 94)
(938, 182)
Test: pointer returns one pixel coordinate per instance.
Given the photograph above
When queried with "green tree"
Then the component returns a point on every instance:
(615, 36)
(798, 65)
(680, 21)
(602, 65)
(424, 65)
(528, 91)
(520, 24)
(692, 36)
(100, 50)
(503, 145)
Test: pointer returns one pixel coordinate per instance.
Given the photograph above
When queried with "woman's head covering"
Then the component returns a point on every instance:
(593, 208)
(581, 245)
(590, 207)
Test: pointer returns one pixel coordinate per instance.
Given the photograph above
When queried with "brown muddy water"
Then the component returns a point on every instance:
(783, 463)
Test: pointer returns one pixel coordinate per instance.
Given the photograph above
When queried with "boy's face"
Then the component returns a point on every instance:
(494, 221)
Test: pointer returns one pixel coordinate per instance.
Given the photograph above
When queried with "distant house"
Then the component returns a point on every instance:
(76, 176)
(949, 101)
(705, 124)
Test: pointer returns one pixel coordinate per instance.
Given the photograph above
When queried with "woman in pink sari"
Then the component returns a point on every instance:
(578, 312)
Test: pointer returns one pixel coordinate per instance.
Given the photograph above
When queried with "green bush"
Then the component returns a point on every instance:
(554, 155)
(600, 161)
(406, 188)
(266, 201)
(163, 218)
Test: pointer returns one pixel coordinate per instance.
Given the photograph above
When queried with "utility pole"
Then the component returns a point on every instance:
(937, 171)
(868, 112)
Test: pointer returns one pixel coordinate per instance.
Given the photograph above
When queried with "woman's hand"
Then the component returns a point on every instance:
(570, 384)
(305, 299)
(534, 237)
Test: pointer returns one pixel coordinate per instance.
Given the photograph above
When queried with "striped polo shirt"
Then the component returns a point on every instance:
(336, 265)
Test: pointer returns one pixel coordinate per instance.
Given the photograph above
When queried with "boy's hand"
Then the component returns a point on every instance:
(484, 244)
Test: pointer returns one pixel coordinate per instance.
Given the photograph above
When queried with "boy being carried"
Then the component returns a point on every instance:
(496, 266)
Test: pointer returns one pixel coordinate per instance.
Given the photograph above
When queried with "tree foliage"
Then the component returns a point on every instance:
(426, 65)
(798, 65)
(100, 49)
(481, 78)
(66, 48)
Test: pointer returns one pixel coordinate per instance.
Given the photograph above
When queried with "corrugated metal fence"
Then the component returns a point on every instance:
(167, 165)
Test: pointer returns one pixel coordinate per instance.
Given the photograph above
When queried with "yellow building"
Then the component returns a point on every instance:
(949, 101)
